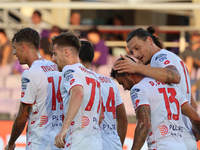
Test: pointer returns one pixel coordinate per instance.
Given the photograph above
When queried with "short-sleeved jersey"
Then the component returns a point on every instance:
(111, 99)
(165, 58)
(165, 103)
(40, 88)
(84, 131)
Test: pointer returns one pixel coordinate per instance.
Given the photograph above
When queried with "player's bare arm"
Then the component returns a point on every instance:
(193, 103)
(192, 114)
(75, 100)
(122, 122)
(169, 74)
(143, 115)
(19, 123)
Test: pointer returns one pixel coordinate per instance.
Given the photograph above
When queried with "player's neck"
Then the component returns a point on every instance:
(87, 65)
(72, 61)
(32, 57)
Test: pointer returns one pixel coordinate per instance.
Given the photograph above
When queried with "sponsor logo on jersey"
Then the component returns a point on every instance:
(166, 62)
(134, 93)
(163, 130)
(84, 121)
(70, 76)
(68, 72)
(24, 83)
(72, 81)
(43, 120)
(176, 128)
(161, 57)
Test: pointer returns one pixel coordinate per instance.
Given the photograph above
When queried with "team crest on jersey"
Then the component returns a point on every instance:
(68, 72)
(161, 57)
(134, 93)
(24, 83)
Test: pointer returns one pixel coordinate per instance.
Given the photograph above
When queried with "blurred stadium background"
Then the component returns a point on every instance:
(174, 21)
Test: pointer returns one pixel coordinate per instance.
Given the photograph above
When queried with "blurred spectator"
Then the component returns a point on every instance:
(46, 40)
(100, 49)
(37, 22)
(75, 20)
(191, 55)
(6, 53)
(175, 50)
(117, 20)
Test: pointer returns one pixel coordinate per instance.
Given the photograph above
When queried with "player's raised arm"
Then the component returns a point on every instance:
(169, 74)
(19, 124)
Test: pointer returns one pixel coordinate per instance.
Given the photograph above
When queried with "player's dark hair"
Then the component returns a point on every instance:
(66, 39)
(86, 53)
(115, 73)
(94, 30)
(38, 13)
(143, 34)
(2, 31)
(27, 35)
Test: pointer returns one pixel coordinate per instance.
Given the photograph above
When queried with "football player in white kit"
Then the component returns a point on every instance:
(81, 94)
(158, 108)
(164, 66)
(113, 134)
(41, 102)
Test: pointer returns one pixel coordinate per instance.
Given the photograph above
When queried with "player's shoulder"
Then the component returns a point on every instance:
(145, 85)
(164, 54)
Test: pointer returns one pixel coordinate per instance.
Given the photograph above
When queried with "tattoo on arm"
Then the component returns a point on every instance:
(172, 74)
(143, 115)
(20, 122)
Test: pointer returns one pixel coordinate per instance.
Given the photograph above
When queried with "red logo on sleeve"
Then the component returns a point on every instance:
(137, 102)
(72, 81)
(22, 94)
(166, 62)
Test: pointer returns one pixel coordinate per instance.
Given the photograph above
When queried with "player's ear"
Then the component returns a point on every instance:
(149, 40)
(66, 51)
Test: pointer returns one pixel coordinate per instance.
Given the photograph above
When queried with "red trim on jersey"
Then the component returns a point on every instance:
(169, 65)
(184, 103)
(27, 103)
(120, 104)
(73, 86)
(141, 105)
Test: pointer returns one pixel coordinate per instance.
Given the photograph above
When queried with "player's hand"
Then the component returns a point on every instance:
(60, 140)
(10, 147)
(126, 65)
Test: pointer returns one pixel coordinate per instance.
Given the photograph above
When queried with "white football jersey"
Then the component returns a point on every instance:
(111, 99)
(40, 87)
(165, 103)
(84, 131)
(165, 58)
